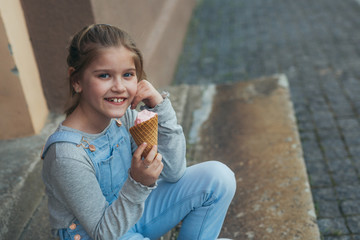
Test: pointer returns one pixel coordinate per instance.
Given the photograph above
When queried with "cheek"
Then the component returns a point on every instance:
(132, 88)
(95, 90)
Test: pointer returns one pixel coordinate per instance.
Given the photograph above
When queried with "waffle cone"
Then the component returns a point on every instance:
(146, 131)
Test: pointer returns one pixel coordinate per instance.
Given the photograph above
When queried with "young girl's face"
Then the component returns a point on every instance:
(108, 85)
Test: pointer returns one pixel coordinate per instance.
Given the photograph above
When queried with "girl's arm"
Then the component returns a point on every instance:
(171, 142)
(171, 139)
(74, 189)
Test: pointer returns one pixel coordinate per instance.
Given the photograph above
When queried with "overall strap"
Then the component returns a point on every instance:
(63, 136)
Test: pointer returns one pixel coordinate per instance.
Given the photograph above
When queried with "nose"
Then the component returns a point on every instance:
(118, 85)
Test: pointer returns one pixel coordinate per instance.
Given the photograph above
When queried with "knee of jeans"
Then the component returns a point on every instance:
(221, 176)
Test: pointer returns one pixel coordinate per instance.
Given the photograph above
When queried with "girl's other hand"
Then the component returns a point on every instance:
(146, 171)
(147, 94)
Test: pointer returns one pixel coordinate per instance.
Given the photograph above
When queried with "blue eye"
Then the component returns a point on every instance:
(128, 74)
(104, 75)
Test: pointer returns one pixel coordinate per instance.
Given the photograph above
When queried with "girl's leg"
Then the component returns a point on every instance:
(200, 199)
(132, 235)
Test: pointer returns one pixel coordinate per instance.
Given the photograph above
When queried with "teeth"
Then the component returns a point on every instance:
(117, 100)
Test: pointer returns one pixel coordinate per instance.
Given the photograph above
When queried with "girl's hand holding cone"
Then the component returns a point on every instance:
(146, 164)
(146, 171)
(145, 129)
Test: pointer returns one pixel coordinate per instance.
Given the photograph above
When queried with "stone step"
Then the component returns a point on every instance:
(22, 190)
(250, 126)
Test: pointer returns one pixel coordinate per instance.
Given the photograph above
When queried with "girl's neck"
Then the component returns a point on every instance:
(81, 121)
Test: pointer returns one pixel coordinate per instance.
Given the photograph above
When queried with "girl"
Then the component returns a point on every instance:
(98, 185)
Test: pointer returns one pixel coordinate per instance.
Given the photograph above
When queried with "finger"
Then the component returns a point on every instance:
(138, 152)
(135, 102)
(150, 96)
(158, 157)
(139, 94)
(151, 155)
(157, 160)
(158, 168)
(143, 84)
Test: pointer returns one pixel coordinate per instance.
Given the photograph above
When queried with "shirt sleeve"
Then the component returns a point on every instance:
(75, 183)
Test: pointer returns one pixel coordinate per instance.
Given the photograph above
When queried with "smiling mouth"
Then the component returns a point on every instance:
(116, 100)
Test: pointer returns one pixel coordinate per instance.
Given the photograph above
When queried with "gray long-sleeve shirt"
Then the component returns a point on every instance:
(74, 193)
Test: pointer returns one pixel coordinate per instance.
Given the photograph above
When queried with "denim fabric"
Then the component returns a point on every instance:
(199, 200)
(76, 234)
(111, 160)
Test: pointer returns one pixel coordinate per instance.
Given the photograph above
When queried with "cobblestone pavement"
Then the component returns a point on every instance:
(317, 45)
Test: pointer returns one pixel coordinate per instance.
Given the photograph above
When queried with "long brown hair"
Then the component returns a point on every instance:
(86, 44)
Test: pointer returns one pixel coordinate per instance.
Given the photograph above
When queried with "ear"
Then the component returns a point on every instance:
(74, 81)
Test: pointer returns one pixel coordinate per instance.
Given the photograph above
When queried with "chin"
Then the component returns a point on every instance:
(116, 115)
(116, 112)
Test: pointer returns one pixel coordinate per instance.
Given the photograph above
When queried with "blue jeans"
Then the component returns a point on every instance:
(200, 200)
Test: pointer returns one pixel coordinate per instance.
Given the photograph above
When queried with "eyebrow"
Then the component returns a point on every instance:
(108, 70)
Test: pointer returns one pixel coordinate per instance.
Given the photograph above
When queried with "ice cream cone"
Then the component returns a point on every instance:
(146, 131)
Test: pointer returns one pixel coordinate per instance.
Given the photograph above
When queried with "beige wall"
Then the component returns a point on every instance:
(23, 105)
(39, 32)
(157, 26)
(50, 24)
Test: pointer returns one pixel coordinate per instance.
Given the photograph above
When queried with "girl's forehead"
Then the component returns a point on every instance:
(114, 56)
(115, 51)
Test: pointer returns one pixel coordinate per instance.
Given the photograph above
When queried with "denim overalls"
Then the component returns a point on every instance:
(111, 156)
(199, 199)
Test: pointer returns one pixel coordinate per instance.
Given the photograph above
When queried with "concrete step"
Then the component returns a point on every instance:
(21, 186)
(249, 126)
